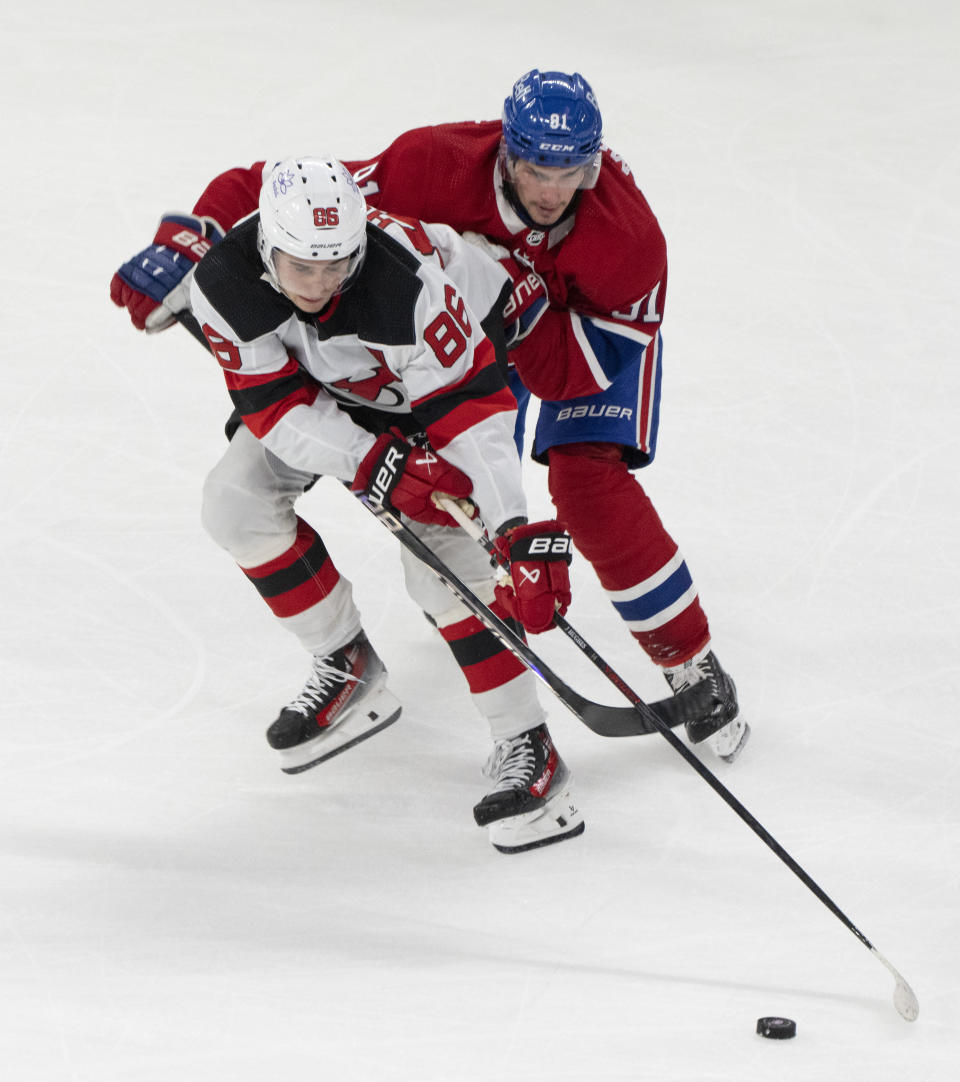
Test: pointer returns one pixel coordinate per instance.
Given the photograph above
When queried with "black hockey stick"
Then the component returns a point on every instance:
(189, 322)
(904, 998)
(610, 721)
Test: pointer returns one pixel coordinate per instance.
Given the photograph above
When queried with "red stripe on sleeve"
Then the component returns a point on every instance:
(241, 381)
(467, 415)
(261, 403)
(263, 420)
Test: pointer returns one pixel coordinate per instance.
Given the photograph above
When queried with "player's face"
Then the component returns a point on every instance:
(545, 191)
(310, 284)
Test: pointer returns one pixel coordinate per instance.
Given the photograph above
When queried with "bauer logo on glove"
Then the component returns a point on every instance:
(387, 473)
(551, 547)
(539, 587)
(397, 474)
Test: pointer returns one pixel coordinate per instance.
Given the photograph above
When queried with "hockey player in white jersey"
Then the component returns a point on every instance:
(349, 353)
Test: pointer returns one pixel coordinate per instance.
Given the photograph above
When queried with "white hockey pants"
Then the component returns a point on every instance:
(248, 509)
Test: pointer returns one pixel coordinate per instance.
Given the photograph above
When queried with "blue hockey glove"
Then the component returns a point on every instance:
(155, 284)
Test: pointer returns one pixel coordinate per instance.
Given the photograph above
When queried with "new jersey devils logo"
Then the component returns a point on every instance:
(374, 388)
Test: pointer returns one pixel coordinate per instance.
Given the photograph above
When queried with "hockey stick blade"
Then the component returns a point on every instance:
(610, 721)
(904, 997)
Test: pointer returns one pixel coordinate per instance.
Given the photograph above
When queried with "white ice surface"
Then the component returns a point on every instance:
(171, 906)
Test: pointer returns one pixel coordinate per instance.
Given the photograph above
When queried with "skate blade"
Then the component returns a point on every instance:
(370, 716)
(734, 753)
(556, 821)
(541, 842)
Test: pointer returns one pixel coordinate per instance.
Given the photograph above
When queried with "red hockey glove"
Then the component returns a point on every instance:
(539, 554)
(396, 474)
(155, 283)
(527, 302)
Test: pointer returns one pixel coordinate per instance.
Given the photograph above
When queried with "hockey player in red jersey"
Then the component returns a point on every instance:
(345, 348)
(565, 216)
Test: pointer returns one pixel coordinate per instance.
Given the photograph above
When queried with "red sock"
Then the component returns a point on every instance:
(485, 661)
(299, 578)
(614, 525)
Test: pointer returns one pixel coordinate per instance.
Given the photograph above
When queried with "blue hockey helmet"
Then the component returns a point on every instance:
(553, 119)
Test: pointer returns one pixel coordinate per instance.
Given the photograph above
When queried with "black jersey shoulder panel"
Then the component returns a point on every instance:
(230, 277)
(380, 307)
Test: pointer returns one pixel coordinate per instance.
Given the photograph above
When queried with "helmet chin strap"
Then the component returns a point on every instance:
(510, 194)
(505, 169)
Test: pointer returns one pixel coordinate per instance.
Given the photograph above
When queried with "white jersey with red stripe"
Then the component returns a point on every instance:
(403, 344)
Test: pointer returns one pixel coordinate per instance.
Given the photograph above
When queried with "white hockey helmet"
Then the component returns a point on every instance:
(312, 209)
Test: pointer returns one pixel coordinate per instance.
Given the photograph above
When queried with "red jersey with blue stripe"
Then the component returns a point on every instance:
(605, 266)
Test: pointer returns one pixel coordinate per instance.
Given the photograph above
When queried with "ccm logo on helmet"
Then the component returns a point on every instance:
(326, 217)
(560, 148)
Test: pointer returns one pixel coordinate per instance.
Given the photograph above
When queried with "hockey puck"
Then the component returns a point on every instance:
(777, 1029)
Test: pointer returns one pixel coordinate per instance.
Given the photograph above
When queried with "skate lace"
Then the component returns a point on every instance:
(511, 763)
(324, 678)
(694, 673)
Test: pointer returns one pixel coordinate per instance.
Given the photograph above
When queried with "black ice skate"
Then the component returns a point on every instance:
(345, 700)
(531, 803)
(721, 726)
